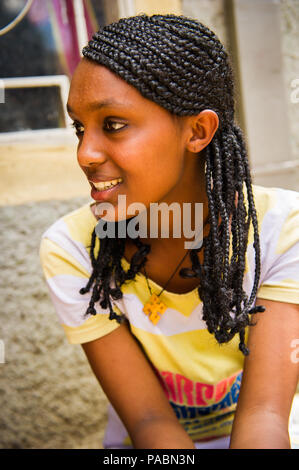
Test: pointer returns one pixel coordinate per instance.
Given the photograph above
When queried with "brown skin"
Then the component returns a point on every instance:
(160, 159)
(269, 380)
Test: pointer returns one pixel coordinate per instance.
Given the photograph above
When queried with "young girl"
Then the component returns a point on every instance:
(193, 347)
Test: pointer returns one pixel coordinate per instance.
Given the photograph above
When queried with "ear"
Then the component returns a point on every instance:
(202, 130)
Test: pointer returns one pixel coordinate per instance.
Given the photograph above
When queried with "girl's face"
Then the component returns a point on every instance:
(124, 135)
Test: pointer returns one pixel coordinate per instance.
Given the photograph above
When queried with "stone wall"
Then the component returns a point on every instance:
(49, 397)
(48, 394)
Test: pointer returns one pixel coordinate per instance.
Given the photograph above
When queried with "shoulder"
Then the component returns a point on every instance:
(277, 202)
(278, 216)
(69, 238)
(65, 247)
(65, 260)
(278, 221)
(76, 225)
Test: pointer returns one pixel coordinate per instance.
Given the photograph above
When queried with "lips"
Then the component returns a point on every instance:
(102, 185)
(103, 190)
(102, 179)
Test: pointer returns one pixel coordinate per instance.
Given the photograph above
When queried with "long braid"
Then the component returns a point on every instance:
(180, 64)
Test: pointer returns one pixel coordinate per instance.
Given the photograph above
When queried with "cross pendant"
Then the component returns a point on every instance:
(154, 308)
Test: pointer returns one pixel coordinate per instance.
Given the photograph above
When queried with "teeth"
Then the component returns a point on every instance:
(107, 184)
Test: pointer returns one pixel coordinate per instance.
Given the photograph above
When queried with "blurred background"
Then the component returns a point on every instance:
(48, 395)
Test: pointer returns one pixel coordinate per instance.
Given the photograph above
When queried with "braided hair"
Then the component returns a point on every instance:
(180, 64)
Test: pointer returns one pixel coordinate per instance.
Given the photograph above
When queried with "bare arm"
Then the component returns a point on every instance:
(269, 380)
(133, 389)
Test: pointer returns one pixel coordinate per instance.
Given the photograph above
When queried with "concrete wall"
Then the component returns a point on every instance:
(48, 395)
(289, 22)
(260, 66)
(210, 13)
(262, 37)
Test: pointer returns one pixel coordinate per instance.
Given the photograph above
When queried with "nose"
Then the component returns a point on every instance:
(90, 151)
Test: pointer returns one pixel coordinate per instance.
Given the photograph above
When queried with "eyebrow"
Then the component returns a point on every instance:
(96, 105)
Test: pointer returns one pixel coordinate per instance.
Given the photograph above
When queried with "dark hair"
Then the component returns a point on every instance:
(180, 64)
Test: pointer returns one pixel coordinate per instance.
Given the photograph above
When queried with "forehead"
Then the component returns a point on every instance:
(92, 82)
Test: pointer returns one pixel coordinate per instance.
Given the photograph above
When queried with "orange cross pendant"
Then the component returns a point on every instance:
(154, 308)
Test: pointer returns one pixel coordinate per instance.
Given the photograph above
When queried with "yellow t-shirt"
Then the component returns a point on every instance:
(200, 377)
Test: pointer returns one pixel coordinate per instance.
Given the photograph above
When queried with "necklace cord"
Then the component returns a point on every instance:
(170, 276)
(173, 272)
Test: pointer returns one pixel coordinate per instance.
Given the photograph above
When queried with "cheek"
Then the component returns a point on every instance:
(156, 151)
(154, 174)
(166, 159)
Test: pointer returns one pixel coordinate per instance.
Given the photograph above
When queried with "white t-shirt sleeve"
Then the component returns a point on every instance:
(281, 263)
(65, 274)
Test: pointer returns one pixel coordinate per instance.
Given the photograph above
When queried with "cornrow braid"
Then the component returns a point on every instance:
(180, 64)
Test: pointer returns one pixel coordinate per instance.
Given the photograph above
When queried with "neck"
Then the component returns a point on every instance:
(183, 211)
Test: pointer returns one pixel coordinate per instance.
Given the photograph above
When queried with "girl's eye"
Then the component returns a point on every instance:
(113, 126)
(110, 126)
(78, 128)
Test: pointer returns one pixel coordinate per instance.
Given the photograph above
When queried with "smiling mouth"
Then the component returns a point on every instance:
(104, 185)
